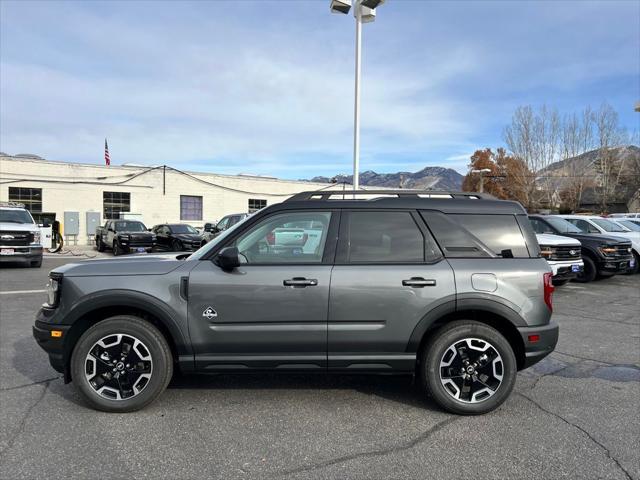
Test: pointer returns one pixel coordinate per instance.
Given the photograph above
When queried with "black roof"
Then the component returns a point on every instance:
(444, 201)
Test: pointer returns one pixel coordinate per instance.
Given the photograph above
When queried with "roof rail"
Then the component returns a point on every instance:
(352, 194)
(11, 204)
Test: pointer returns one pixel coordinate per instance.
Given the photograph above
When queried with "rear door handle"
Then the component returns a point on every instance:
(418, 282)
(300, 282)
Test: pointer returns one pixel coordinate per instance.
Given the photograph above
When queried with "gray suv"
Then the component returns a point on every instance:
(448, 287)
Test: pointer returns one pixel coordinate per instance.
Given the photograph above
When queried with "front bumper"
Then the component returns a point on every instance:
(20, 253)
(536, 349)
(614, 266)
(54, 346)
(566, 270)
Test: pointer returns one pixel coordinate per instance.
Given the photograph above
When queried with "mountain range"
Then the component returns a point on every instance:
(429, 178)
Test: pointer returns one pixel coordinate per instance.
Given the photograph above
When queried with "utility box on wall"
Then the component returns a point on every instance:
(71, 223)
(93, 222)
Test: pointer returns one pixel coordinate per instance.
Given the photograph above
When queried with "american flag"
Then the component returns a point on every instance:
(107, 160)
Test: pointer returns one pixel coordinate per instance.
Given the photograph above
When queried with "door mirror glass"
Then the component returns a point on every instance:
(228, 259)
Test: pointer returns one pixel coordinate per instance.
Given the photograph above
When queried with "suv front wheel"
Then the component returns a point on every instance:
(468, 367)
(121, 364)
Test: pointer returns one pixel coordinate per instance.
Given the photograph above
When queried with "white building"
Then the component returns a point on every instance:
(157, 194)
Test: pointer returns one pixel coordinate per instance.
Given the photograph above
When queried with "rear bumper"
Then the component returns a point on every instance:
(536, 350)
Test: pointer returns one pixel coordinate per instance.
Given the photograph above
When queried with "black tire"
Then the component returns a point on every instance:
(636, 267)
(36, 263)
(176, 246)
(589, 272)
(559, 283)
(116, 249)
(439, 344)
(129, 326)
(100, 244)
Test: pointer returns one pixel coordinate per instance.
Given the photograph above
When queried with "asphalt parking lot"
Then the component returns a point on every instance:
(574, 415)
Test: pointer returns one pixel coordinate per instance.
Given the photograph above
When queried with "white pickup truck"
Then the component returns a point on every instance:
(563, 255)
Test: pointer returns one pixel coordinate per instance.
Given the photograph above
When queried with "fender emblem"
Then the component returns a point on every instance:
(209, 313)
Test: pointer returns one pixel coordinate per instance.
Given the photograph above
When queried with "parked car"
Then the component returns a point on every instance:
(629, 222)
(19, 235)
(625, 215)
(124, 236)
(599, 225)
(453, 290)
(563, 255)
(603, 255)
(177, 237)
(212, 230)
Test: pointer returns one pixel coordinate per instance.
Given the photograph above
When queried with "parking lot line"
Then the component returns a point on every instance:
(16, 292)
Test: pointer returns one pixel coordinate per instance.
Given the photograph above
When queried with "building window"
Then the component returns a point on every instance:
(30, 197)
(190, 207)
(256, 204)
(114, 203)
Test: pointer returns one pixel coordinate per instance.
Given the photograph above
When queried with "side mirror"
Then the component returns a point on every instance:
(227, 259)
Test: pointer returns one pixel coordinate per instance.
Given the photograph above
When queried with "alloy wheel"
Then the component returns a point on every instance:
(118, 366)
(471, 370)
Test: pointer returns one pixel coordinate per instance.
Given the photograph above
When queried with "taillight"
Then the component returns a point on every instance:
(271, 238)
(547, 280)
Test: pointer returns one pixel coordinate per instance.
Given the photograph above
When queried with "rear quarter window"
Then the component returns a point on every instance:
(463, 235)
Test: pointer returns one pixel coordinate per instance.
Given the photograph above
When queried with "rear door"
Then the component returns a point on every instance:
(389, 274)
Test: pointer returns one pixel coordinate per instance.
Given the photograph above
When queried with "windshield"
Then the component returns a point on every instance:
(216, 241)
(15, 216)
(630, 225)
(182, 229)
(130, 227)
(562, 225)
(607, 225)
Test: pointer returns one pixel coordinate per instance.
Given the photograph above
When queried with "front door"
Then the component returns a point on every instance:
(271, 312)
(389, 274)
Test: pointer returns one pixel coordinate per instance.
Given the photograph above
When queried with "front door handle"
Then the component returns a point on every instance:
(300, 282)
(418, 282)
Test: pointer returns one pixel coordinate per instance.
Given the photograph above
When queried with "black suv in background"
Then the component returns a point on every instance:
(177, 237)
(602, 255)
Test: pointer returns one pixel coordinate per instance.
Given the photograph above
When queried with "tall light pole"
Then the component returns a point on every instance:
(481, 171)
(364, 12)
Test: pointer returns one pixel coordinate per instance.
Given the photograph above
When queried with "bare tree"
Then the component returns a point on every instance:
(577, 138)
(609, 165)
(534, 138)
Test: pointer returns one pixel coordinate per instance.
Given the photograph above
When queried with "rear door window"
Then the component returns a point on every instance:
(385, 237)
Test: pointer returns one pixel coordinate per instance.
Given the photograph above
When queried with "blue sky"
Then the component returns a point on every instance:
(267, 86)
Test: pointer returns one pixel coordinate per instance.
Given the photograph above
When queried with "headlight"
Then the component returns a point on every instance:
(546, 252)
(36, 237)
(53, 290)
(153, 238)
(606, 250)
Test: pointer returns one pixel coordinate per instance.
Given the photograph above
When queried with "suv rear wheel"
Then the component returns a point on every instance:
(121, 364)
(468, 367)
